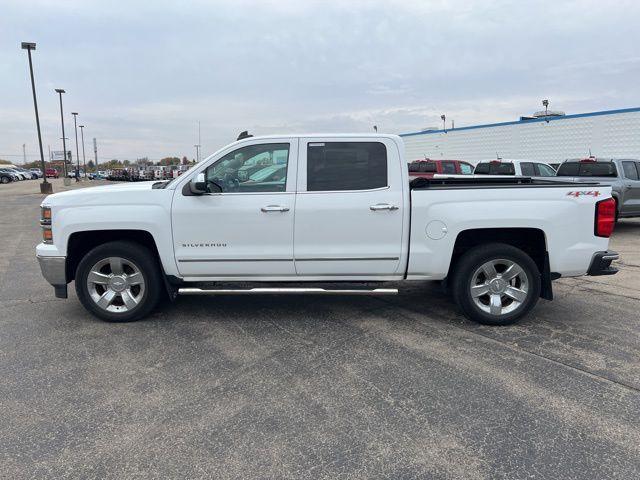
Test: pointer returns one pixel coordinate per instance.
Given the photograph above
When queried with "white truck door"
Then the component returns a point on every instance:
(349, 208)
(247, 230)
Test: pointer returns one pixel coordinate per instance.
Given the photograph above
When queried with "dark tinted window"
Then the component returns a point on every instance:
(448, 167)
(495, 168)
(630, 170)
(568, 169)
(587, 169)
(346, 166)
(527, 169)
(422, 166)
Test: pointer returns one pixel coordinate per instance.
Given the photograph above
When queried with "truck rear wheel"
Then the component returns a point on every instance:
(496, 284)
(119, 281)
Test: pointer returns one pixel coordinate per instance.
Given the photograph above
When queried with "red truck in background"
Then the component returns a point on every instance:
(51, 173)
(427, 168)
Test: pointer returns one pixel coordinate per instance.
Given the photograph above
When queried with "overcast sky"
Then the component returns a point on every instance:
(142, 73)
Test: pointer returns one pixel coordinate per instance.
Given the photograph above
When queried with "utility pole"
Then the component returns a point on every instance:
(75, 126)
(95, 152)
(60, 91)
(199, 141)
(84, 159)
(24, 153)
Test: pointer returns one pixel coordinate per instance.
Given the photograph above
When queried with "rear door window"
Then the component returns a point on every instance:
(527, 169)
(630, 170)
(448, 167)
(334, 166)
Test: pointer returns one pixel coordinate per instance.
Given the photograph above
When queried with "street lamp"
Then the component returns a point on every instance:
(60, 91)
(84, 160)
(444, 122)
(45, 187)
(197, 152)
(75, 125)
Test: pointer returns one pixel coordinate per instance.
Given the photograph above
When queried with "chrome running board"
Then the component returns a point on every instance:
(287, 291)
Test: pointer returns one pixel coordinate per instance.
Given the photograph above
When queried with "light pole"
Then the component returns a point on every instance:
(75, 125)
(45, 187)
(95, 153)
(84, 159)
(199, 141)
(60, 91)
(24, 153)
(197, 152)
(545, 104)
(444, 122)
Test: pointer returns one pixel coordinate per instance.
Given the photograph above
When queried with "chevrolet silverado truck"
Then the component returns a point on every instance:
(342, 218)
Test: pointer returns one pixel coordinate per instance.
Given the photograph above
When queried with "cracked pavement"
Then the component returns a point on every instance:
(312, 387)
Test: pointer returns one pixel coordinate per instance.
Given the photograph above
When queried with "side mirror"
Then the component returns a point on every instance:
(197, 185)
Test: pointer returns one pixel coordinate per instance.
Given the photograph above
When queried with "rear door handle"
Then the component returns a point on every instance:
(382, 206)
(274, 208)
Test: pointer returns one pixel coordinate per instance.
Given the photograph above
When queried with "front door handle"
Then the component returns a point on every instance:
(382, 206)
(274, 208)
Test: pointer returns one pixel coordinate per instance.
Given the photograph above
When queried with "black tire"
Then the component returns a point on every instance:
(143, 259)
(5, 179)
(472, 261)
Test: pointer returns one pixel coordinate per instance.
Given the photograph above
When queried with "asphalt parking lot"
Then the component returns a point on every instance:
(316, 387)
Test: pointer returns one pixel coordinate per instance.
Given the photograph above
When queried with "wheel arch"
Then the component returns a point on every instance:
(532, 241)
(81, 243)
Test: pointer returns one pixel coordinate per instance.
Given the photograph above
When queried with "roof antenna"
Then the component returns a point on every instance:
(244, 134)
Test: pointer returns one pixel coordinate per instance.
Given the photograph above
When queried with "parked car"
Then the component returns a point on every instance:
(20, 174)
(623, 175)
(8, 175)
(428, 168)
(358, 218)
(36, 171)
(51, 173)
(523, 168)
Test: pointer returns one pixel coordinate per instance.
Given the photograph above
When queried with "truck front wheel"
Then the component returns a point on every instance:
(496, 284)
(119, 281)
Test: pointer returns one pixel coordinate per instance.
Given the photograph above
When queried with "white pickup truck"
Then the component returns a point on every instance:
(317, 214)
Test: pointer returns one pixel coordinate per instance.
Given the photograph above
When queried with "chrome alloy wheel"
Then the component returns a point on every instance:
(499, 287)
(116, 284)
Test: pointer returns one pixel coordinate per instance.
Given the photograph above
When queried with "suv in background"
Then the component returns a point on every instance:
(51, 173)
(428, 168)
(523, 168)
(623, 175)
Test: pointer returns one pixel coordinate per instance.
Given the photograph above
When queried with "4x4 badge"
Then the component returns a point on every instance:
(593, 193)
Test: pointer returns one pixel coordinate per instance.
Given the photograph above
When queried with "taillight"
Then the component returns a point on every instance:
(605, 217)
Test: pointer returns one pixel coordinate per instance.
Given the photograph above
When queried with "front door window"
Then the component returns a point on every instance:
(254, 168)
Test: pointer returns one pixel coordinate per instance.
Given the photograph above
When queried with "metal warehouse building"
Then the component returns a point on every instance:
(552, 139)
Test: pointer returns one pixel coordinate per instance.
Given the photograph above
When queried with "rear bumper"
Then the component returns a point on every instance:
(601, 263)
(54, 271)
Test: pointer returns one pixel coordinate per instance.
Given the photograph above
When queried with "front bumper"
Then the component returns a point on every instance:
(601, 263)
(54, 271)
